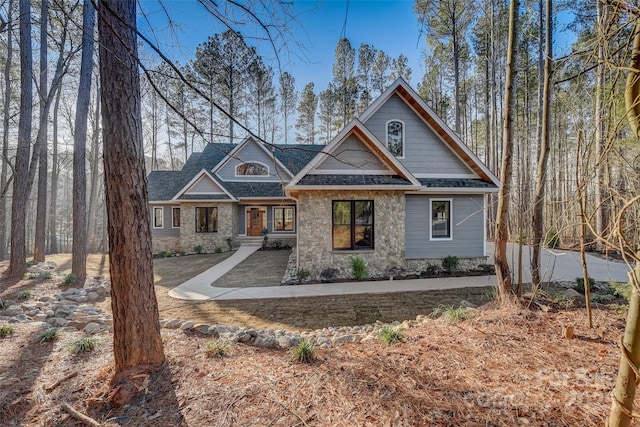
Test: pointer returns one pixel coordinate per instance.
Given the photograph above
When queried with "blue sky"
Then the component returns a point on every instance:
(390, 26)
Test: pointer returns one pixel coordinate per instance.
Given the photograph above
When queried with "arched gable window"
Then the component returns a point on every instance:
(252, 168)
(395, 137)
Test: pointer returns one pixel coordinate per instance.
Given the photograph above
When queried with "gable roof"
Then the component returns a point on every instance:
(402, 89)
(251, 140)
(204, 176)
(398, 175)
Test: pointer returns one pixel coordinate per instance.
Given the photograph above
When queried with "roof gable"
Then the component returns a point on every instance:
(355, 151)
(403, 91)
(203, 186)
(252, 151)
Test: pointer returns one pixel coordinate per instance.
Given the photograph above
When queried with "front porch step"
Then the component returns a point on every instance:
(251, 240)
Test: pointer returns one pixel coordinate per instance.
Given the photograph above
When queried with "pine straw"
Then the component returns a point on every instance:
(501, 368)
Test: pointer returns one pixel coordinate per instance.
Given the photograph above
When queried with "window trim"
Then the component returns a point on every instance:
(206, 216)
(173, 224)
(155, 225)
(386, 131)
(352, 225)
(441, 239)
(273, 219)
(235, 170)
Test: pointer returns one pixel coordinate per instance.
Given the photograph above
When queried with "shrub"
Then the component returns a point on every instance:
(302, 274)
(579, 287)
(218, 250)
(198, 249)
(389, 335)
(304, 352)
(230, 243)
(182, 252)
(552, 239)
(432, 270)
(450, 314)
(48, 335)
(217, 348)
(358, 268)
(164, 254)
(31, 263)
(450, 264)
(38, 276)
(623, 290)
(3, 303)
(69, 279)
(26, 294)
(6, 331)
(83, 345)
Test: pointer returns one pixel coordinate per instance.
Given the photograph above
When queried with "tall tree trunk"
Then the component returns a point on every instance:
(4, 162)
(18, 264)
(95, 176)
(543, 156)
(41, 145)
(502, 220)
(55, 172)
(600, 118)
(625, 388)
(79, 250)
(136, 330)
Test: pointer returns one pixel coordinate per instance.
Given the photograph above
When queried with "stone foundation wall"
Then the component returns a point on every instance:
(170, 244)
(315, 248)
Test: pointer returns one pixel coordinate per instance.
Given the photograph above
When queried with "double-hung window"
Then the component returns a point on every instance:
(158, 216)
(175, 217)
(206, 220)
(441, 219)
(283, 218)
(352, 224)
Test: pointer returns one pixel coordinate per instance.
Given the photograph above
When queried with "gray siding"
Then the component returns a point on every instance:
(251, 152)
(468, 227)
(167, 230)
(205, 185)
(424, 151)
(352, 154)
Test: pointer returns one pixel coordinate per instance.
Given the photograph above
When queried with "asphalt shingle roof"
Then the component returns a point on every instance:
(254, 189)
(296, 157)
(455, 183)
(353, 180)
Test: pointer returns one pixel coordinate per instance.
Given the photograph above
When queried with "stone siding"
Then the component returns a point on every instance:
(170, 244)
(315, 248)
(227, 227)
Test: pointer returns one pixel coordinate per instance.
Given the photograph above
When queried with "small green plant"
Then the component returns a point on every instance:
(164, 254)
(555, 297)
(69, 279)
(358, 268)
(432, 270)
(389, 335)
(44, 275)
(198, 249)
(218, 250)
(31, 263)
(3, 303)
(302, 274)
(217, 348)
(623, 290)
(450, 314)
(48, 335)
(579, 287)
(83, 345)
(552, 239)
(230, 243)
(304, 352)
(182, 252)
(26, 294)
(450, 263)
(6, 331)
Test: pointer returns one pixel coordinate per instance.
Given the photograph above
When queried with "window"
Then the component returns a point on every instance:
(175, 215)
(252, 168)
(395, 138)
(353, 224)
(206, 220)
(441, 219)
(283, 219)
(158, 214)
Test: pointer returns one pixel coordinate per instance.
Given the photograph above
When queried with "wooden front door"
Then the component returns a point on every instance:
(255, 221)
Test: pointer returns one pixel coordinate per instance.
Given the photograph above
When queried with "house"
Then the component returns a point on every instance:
(396, 188)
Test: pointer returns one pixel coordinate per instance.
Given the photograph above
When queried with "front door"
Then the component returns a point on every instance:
(255, 221)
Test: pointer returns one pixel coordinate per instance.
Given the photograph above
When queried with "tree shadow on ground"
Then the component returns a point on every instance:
(22, 371)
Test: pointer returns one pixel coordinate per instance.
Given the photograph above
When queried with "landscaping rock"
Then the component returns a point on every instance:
(201, 328)
(173, 324)
(93, 328)
(572, 294)
(266, 342)
(186, 326)
(12, 310)
(57, 322)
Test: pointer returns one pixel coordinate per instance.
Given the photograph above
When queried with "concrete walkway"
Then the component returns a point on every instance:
(556, 266)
